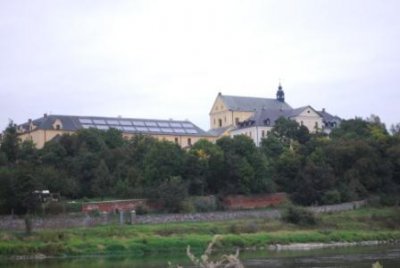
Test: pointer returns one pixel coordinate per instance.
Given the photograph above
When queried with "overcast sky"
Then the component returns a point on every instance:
(169, 59)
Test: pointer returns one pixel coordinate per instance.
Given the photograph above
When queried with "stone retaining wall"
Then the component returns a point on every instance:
(82, 220)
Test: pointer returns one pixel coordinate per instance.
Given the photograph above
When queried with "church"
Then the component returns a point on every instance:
(255, 117)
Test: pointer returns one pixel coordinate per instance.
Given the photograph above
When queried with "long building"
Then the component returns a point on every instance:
(48, 127)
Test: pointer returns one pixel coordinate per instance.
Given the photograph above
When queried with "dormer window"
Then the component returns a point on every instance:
(57, 124)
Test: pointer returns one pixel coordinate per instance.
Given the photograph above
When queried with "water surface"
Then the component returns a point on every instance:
(355, 257)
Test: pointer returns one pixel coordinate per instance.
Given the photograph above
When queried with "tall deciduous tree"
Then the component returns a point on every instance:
(10, 142)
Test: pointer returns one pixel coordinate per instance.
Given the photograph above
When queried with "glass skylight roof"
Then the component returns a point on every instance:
(87, 126)
(142, 129)
(167, 130)
(125, 122)
(99, 121)
(129, 128)
(85, 121)
(151, 124)
(175, 124)
(191, 130)
(118, 127)
(154, 129)
(185, 125)
(163, 124)
(102, 127)
(138, 123)
(179, 130)
(112, 122)
(141, 125)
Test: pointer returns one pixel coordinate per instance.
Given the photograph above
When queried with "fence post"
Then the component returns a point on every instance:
(121, 217)
(133, 216)
(104, 215)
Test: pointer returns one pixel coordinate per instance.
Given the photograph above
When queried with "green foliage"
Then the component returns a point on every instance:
(162, 161)
(172, 193)
(357, 160)
(9, 143)
(299, 216)
(244, 169)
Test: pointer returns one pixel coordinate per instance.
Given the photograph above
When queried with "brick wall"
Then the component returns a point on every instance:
(254, 201)
(114, 206)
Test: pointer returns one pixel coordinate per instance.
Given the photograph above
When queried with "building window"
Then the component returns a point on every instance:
(236, 121)
(189, 141)
(302, 123)
(220, 122)
(263, 133)
(176, 140)
(58, 127)
(250, 134)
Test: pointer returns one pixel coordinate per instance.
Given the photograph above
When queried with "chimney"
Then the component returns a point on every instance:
(323, 110)
(45, 115)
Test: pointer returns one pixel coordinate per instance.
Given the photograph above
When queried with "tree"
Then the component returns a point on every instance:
(10, 142)
(203, 167)
(171, 192)
(395, 130)
(163, 160)
(113, 138)
(244, 169)
(101, 182)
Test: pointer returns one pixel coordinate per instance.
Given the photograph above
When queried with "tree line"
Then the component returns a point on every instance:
(358, 159)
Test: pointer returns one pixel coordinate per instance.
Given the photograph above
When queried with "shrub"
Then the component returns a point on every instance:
(54, 208)
(299, 216)
(331, 197)
(389, 200)
(187, 207)
(73, 206)
(141, 210)
(205, 203)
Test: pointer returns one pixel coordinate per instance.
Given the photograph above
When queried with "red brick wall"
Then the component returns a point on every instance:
(254, 201)
(113, 206)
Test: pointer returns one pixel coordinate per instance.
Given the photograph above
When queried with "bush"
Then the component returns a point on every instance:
(389, 200)
(299, 216)
(171, 192)
(205, 203)
(142, 210)
(331, 197)
(73, 206)
(187, 207)
(54, 208)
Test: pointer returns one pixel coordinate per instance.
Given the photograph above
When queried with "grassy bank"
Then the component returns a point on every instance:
(139, 240)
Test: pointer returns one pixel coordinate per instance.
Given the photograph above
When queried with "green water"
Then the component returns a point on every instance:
(355, 257)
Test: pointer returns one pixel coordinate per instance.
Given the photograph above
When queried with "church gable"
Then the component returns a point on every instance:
(219, 105)
(309, 112)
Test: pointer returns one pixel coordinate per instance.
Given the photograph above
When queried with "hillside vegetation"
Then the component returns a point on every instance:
(357, 160)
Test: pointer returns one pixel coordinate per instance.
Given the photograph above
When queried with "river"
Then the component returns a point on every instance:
(354, 257)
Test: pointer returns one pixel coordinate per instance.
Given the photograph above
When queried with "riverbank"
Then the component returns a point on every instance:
(366, 224)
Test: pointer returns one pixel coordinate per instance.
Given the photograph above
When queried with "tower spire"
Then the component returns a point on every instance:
(280, 95)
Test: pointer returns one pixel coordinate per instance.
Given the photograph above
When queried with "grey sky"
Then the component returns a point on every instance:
(169, 59)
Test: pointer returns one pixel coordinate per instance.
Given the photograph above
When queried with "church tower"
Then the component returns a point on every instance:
(280, 95)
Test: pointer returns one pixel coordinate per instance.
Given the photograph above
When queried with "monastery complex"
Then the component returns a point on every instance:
(229, 116)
